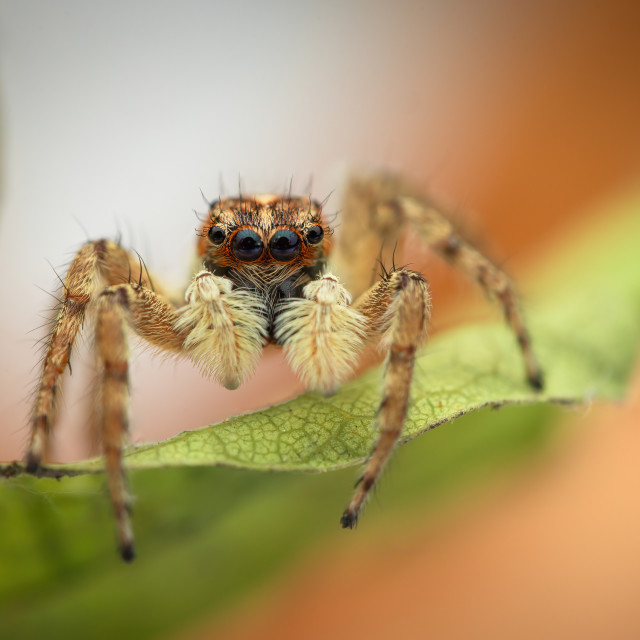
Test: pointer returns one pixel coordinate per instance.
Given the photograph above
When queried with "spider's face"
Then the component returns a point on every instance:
(264, 239)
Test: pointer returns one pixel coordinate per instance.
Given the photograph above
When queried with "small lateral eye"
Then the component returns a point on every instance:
(217, 235)
(247, 245)
(285, 245)
(315, 234)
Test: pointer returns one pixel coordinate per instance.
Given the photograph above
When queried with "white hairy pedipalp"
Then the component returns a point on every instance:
(227, 328)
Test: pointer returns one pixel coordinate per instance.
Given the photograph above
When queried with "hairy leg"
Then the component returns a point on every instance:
(370, 229)
(436, 229)
(378, 208)
(397, 309)
(322, 335)
(97, 263)
(113, 362)
(216, 324)
(154, 319)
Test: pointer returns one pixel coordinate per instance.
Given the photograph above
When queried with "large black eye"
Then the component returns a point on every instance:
(246, 245)
(315, 234)
(217, 235)
(285, 245)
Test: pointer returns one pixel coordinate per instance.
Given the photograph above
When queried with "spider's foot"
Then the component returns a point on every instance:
(126, 538)
(33, 463)
(349, 519)
(536, 380)
(35, 452)
(128, 551)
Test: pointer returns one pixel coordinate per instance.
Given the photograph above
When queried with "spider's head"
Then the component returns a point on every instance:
(264, 237)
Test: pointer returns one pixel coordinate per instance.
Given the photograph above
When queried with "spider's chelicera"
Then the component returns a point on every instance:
(263, 278)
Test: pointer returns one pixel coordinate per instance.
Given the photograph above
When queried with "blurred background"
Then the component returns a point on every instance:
(522, 115)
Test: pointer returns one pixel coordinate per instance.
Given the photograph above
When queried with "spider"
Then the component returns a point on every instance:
(263, 279)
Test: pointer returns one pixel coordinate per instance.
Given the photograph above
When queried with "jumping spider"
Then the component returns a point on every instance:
(262, 280)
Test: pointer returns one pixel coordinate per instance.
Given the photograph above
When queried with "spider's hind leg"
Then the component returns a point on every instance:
(370, 228)
(377, 210)
(438, 232)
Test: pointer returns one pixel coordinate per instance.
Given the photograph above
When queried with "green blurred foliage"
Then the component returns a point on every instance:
(209, 536)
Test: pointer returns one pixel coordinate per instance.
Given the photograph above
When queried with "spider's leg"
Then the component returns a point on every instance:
(113, 359)
(321, 334)
(221, 328)
(207, 326)
(378, 208)
(370, 229)
(438, 232)
(398, 307)
(152, 318)
(96, 263)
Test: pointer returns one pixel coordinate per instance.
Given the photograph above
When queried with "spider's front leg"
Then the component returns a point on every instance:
(397, 309)
(322, 336)
(128, 297)
(153, 318)
(219, 328)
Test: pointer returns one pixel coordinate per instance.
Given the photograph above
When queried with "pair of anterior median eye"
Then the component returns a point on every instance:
(285, 244)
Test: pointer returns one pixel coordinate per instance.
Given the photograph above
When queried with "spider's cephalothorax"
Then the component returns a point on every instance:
(268, 244)
(261, 279)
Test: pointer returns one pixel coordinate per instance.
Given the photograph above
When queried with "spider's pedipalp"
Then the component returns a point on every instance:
(226, 328)
(321, 333)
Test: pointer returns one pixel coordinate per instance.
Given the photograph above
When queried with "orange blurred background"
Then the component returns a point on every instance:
(525, 116)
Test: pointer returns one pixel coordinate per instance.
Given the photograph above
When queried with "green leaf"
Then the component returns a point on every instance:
(586, 335)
